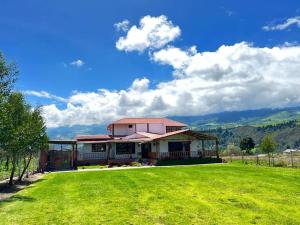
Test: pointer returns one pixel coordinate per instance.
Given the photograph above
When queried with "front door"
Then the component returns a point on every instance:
(146, 148)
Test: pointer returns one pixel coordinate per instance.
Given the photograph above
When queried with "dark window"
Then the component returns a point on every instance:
(171, 129)
(99, 147)
(130, 126)
(125, 148)
(187, 146)
(175, 146)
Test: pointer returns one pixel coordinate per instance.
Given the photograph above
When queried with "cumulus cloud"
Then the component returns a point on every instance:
(174, 56)
(44, 94)
(282, 26)
(152, 32)
(234, 77)
(122, 26)
(77, 63)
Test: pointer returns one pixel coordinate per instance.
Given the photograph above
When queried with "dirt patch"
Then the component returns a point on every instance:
(7, 191)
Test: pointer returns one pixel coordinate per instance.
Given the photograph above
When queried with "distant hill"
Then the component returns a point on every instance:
(230, 127)
(260, 117)
(72, 131)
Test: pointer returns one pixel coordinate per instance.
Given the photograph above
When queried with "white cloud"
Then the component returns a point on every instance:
(77, 63)
(122, 26)
(235, 77)
(173, 56)
(282, 26)
(44, 94)
(153, 33)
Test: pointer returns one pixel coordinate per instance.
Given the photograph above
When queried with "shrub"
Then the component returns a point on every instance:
(136, 164)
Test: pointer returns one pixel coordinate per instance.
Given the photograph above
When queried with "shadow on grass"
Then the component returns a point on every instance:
(8, 193)
(188, 161)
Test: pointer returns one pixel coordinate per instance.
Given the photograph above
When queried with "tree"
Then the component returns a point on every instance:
(22, 129)
(268, 145)
(14, 116)
(36, 138)
(232, 150)
(8, 76)
(247, 144)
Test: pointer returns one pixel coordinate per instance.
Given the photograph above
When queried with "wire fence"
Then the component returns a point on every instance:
(291, 159)
(5, 168)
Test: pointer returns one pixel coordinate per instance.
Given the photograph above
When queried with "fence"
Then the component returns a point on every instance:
(291, 159)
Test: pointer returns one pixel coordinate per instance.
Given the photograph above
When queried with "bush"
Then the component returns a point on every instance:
(136, 164)
(280, 163)
(232, 150)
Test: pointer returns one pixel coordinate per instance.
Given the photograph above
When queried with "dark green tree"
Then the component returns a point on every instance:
(247, 144)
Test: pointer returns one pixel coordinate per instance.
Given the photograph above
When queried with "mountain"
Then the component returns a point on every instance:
(230, 127)
(260, 117)
(72, 131)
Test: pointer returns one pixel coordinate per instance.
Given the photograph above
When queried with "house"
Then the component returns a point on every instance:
(130, 139)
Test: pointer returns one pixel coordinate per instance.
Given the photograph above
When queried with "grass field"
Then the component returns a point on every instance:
(205, 194)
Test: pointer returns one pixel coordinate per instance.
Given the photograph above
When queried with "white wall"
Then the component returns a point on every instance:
(163, 146)
(142, 127)
(157, 128)
(123, 130)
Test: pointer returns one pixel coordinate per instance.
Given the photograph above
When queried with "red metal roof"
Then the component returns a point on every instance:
(165, 121)
(93, 137)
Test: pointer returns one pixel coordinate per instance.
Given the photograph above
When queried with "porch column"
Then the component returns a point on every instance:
(75, 157)
(108, 151)
(72, 157)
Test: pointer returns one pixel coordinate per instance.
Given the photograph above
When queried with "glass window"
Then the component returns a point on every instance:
(172, 129)
(125, 148)
(175, 146)
(99, 147)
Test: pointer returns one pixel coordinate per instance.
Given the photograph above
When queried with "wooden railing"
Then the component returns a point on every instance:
(182, 154)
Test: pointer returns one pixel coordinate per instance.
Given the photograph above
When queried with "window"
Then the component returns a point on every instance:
(175, 146)
(125, 148)
(171, 129)
(179, 146)
(130, 126)
(99, 147)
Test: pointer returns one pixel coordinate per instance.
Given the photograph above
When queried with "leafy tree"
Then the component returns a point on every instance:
(22, 129)
(12, 130)
(268, 145)
(8, 76)
(247, 144)
(232, 150)
(36, 138)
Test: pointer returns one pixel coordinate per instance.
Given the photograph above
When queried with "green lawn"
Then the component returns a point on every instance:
(205, 194)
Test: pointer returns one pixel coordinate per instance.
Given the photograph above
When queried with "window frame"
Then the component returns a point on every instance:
(97, 147)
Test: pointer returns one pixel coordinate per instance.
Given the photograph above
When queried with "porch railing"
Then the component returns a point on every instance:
(125, 156)
(182, 154)
(92, 155)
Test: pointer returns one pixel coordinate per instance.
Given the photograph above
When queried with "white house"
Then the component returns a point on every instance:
(145, 138)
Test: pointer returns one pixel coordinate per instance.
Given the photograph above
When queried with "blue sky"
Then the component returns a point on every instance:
(45, 37)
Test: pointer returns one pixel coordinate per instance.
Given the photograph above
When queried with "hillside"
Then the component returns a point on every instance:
(229, 126)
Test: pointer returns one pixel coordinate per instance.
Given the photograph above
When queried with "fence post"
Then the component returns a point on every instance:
(243, 156)
(292, 160)
(257, 162)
